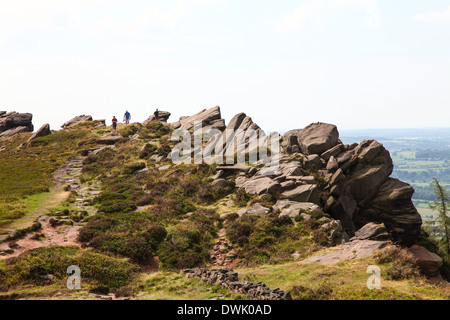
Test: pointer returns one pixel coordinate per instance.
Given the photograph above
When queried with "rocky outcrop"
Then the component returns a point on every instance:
(42, 132)
(12, 123)
(350, 183)
(355, 187)
(76, 120)
(230, 280)
(210, 119)
(393, 206)
(163, 116)
(360, 191)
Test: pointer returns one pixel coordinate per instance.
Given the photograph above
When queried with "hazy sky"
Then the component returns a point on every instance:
(354, 63)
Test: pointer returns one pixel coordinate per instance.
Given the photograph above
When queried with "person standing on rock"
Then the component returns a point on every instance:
(156, 114)
(127, 117)
(114, 123)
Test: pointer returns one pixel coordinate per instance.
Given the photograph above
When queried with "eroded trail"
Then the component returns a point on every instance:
(60, 230)
(222, 253)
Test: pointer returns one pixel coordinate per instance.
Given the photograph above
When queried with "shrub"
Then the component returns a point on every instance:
(147, 150)
(117, 206)
(135, 237)
(183, 249)
(324, 292)
(96, 269)
(133, 167)
(403, 263)
(129, 130)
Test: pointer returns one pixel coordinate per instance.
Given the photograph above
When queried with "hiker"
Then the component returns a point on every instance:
(156, 114)
(127, 117)
(114, 123)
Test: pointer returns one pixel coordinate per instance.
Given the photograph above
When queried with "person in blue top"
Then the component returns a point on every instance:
(127, 117)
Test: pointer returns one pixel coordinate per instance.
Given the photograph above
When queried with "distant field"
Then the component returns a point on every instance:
(419, 172)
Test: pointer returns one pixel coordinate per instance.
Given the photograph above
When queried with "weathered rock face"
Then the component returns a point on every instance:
(163, 116)
(261, 185)
(294, 209)
(314, 139)
(255, 210)
(393, 207)
(351, 182)
(372, 231)
(13, 132)
(428, 262)
(357, 249)
(12, 123)
(42, 132)
(210, 118)
(76, 120)
(302, 193)
(362, 192)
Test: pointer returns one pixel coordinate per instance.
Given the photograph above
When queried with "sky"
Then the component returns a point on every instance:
(354, 63)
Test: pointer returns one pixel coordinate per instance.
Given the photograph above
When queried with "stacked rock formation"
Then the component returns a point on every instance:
(317, 171)
(12, 123)
(229, 279)
(358, 189)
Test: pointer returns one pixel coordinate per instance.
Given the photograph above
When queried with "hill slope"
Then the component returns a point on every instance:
(117, 206)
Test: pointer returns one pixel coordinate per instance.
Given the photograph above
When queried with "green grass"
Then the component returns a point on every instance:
(96, 269)
(346, 280)
(175, 286)
(28, 171)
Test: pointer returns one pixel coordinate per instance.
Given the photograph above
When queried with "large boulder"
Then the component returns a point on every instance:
(206, 116)
(236, 121)
(42, 132)
(12, 120)
(393, 207)
(372, 231)
(254, 210)
(294, 209)
(335, 233)
(14, 131)
(76, 120)
(428, 262)
(314, 139)
(240, 133)
(303, 193)
(163, 116)
(261, 185)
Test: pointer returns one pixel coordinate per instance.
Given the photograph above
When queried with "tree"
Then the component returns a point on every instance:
(442, 205)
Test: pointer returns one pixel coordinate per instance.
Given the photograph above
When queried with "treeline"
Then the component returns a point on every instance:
(433, 154)
(424, 193)
(442, 175)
